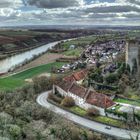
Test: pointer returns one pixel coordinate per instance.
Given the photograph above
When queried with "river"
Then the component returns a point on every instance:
(12, 61)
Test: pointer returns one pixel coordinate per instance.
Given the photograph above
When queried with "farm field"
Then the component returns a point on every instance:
(80, 41)
(18, 80)
(42, 60)
(12, 33)
(75, 52)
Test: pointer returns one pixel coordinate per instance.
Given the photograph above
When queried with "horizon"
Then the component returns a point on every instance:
(69, 27)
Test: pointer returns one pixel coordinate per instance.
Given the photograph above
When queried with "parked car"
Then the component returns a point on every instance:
(108, 127)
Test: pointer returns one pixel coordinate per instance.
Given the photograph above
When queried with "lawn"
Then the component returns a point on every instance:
(118, 107)
(101, 119)
(78, 110)
(18, 80)
(109, 121)
(120, 100)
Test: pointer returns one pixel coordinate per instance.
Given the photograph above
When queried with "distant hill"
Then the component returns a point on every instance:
(71, 27)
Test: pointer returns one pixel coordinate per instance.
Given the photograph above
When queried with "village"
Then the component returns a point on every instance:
(70, 70)
(88, 96)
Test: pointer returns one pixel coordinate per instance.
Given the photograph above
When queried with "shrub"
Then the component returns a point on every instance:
(111, 78)
(54, 98)
(93, 112)
(15, 131)
(68, 102)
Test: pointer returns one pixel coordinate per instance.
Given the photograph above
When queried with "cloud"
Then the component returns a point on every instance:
(10, 3)
(70, 12)
(55, 3)
(136, 2)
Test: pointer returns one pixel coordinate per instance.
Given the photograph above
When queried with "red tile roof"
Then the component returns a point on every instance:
(99, 100)
(65, 85)
(91, 97)
(70, 78)
(78, 90)
(77, 76)
(80, 75)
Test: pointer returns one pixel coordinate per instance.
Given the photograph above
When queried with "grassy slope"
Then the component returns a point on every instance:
(18, 80)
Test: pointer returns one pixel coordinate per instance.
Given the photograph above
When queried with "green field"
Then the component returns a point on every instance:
(78, 110)
(18, 80)
(79, 41)
(120, 100)
(74, 52)
(109, 121)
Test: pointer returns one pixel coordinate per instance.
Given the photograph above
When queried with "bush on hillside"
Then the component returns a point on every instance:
(68, 102)
(93, 112)
(54, 98)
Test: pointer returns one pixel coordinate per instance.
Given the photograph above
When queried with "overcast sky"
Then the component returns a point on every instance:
(69, 12)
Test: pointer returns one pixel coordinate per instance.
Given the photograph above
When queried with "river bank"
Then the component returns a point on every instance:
(17, 60)
(43, 59)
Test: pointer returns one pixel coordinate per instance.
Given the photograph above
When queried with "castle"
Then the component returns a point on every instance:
(133, 54)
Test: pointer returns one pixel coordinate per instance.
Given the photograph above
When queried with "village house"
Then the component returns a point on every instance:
(72, 47)
(84, 98)
(77, 76)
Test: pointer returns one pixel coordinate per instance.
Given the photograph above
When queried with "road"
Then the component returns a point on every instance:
(116, 132)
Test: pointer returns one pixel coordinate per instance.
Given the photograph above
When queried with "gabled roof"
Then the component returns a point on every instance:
(78, 90)
(69, 78)
(91, 96)
(65, 85)
(77, 76)
(99, 100)
(80, 75)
